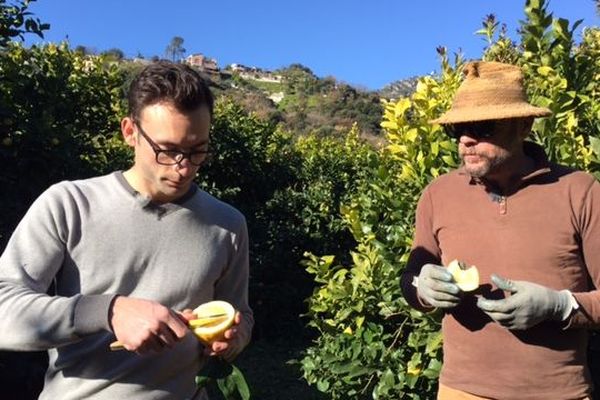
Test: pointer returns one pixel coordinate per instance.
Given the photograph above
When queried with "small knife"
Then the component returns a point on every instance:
(193, 323)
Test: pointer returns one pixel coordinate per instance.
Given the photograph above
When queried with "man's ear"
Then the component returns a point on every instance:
(128, 131)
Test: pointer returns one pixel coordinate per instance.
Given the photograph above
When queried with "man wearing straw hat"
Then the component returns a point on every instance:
(531, 227)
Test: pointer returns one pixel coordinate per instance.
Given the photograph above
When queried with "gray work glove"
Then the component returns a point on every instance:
(436, 287)
(528, 305)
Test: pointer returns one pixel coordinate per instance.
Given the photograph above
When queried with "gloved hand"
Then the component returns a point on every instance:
(528, 304)
(435, 287)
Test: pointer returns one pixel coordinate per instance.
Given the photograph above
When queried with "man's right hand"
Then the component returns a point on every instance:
(436, 287)
(144, 326)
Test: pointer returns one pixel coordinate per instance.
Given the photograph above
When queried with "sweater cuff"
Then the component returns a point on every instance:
(91, 314)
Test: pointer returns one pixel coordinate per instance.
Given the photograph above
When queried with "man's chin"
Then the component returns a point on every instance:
(477, 171)
(174, 190)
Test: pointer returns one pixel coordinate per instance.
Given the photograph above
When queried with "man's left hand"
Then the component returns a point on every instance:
(528, 305)
(231, 345)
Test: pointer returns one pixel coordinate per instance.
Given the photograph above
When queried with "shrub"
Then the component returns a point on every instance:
(358, 310)
(290, 190)
(59, 119)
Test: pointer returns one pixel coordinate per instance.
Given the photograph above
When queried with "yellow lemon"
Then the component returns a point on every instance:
(213, 319)
(466, 278)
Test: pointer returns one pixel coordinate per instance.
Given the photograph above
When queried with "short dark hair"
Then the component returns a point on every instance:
(169, 82)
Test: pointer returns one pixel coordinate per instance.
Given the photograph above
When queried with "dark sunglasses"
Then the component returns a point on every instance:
(476, 130)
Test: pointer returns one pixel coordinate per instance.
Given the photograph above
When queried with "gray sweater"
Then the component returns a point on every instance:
(98, 238)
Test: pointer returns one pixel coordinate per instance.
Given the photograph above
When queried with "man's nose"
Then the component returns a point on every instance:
(466, 140)
(184, 166)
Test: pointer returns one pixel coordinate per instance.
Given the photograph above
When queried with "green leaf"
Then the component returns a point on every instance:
(595, 145)
(322, 385)
(434, 342)
(228, 378)
(234, 385)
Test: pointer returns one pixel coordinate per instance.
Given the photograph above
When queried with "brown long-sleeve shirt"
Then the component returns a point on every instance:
(547, 232)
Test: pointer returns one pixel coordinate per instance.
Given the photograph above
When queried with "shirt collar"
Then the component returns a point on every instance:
(146, 202)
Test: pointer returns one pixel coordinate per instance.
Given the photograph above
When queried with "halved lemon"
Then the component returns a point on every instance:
(216, 316)
(466, 278)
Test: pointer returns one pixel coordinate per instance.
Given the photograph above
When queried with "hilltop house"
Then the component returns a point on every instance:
(203, 63)
(255, 73)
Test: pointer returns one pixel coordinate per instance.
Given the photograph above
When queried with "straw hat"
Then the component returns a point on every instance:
(490, 90)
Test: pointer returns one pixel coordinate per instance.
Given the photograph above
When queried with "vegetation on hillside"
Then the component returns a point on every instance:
(308, 104)
(399, 89)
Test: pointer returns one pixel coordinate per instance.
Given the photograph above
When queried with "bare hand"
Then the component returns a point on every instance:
(230, 346)
(145, 326)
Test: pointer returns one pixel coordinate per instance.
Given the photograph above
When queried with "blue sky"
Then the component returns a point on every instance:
(364, 43)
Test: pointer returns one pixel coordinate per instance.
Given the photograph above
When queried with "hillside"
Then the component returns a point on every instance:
(398, 89)
(302, 102)
(295, 97)
(299, 100)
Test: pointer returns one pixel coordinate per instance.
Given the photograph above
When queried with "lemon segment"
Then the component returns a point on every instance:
(466, 278)
(209, 330)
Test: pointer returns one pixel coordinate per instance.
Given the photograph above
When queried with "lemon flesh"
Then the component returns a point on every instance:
(466, 278)
(206, 321)
(213, 329)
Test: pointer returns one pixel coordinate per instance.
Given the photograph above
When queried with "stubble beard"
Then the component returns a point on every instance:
(487, 166)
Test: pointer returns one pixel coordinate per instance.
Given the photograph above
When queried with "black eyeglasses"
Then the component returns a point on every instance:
(476, 130)
(173, 157)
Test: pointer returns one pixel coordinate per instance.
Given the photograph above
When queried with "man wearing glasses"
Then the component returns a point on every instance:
(126, 252)
(531, 227)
